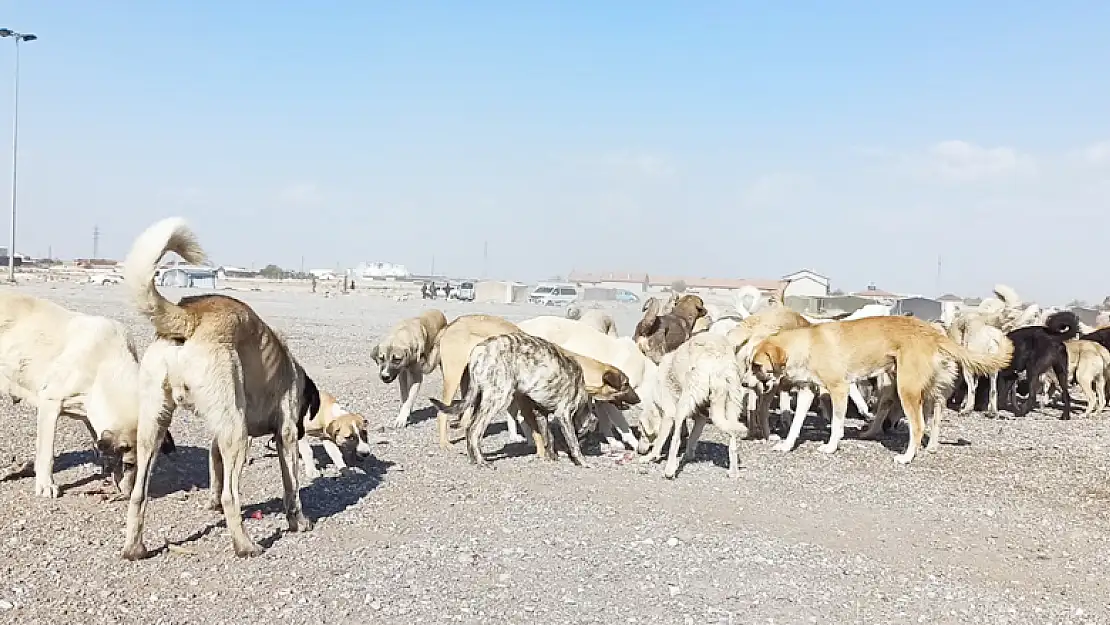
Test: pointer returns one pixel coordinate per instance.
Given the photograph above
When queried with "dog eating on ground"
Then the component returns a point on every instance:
(542, 379)
(82, 366)
(339, 431)
(404, 355)
(215, 355)
(920, 357)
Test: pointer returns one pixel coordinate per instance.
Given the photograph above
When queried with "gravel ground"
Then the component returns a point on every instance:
(1007, 523)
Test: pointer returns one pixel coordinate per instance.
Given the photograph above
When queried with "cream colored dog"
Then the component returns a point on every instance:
(699, 380)
(82, 366)
(403, 355)
(1089, 366)
(833, 355)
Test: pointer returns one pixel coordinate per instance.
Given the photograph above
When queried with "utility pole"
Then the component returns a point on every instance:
(485, 259)
(302, 263)
(938, 276)
(433, 272)
(96, 242)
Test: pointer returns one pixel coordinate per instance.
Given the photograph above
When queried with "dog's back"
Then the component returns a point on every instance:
(503, 365)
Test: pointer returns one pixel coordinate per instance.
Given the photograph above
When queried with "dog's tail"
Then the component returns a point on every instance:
(779, 296)
(1008, 296)
(574, 312)
(1063, 324)
(310, 404)
(979, 363)
(169, 235)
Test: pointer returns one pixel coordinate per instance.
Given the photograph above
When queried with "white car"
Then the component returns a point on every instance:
(554, 295)
(105, 278)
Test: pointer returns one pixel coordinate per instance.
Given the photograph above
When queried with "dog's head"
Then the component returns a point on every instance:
(615, 389)
(768, 362)
(392, 359)
(690, 307)
(350, 433)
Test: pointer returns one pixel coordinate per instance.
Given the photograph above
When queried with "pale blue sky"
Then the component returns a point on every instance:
(724, 139)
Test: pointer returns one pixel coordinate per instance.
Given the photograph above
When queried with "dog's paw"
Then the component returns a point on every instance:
(517, 439)
(249, 550)
(400, 423)
(903, 458)
(46, 489)
(828, 448)
(773, 438)
(734, 474)
(643, 447)
(300, 524)
(214, 504)
(783, 446)
(135, 551)
(670, 472)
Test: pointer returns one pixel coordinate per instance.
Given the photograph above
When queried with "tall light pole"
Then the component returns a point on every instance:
(18, 37)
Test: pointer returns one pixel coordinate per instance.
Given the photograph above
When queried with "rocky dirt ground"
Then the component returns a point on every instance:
(1007, 523)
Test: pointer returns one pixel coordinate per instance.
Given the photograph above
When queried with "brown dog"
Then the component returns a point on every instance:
(662, 334)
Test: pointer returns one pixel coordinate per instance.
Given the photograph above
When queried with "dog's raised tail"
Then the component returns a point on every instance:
(168, 235)
(1008, 295)
(980, 363)
(1064, 323)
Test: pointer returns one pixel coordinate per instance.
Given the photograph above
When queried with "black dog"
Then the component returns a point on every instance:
(1036, 350)
(1102, 337)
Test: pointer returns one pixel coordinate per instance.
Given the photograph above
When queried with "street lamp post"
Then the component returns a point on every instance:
(19, 38)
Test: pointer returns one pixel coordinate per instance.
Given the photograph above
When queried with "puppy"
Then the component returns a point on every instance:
(82, 366)
(699, 380)
(404, 355)
(663, 334)
(338, 431)
(214, 354)
(538, 375)
(833, 355)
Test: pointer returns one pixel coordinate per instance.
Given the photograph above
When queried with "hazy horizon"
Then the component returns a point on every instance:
(860, 140)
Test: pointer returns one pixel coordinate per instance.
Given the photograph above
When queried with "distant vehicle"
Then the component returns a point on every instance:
(626, 297)
(465, 292)
(105, 278)
(554, 295)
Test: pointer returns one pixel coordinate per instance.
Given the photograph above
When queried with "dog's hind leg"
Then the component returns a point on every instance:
(992, 400)
(216, 476)
(805, 400)
(856, 395)
(685, 408)
(695, 434)
(912, 401)
(972, 383)
(48, 413)
(566, 420)
(287, 461)
(492, 402)
(935, 409)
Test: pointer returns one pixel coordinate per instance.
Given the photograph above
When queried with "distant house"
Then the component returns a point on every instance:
(189, 276)
(950, 305)
(633, 282)
(877, 294)
(806, 283)
(920, 307)
(225, 272)
(381, 270)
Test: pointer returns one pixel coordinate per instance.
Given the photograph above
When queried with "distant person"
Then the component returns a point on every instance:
(423, 290)
(447, 291)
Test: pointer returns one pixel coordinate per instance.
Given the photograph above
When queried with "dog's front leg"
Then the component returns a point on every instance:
(856, 395)
(307, 459)
(511, 425)
(49, 411)
(839, 396)
(805, 400)
(409, 383)
(335, 453)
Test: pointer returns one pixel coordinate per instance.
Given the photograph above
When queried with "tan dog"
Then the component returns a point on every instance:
(338, 430)
(664, 333)
(1089, 366)
(833, 355)
(215, 355)
(404, 355)
(452, 351)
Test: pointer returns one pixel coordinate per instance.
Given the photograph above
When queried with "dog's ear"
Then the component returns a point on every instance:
(374, 353)
(331, 430)
(110, 443)
(615, 378)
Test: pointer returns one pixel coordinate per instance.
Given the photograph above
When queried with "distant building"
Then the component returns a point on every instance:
(381, 270)
(877, 294)
(806, 283)
(189, 276)
(227, 271)
(324, 274)
(920, 307)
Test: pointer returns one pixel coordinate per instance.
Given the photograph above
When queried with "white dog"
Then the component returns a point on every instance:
(82, 366)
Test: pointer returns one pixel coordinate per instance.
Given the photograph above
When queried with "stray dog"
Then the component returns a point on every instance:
(544, 378)
(699, 380)
(1036, 350)
(594, 318)
(833, 355)
(82, 366)
(1088, 365)
(215, 355)
(622, 353)
(664, 333)
(403, 355)
(338, 430)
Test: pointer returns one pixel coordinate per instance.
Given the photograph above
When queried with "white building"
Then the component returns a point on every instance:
(381, 270)
(806, 283)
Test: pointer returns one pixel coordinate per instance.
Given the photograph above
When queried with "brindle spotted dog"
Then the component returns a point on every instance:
(541, 378)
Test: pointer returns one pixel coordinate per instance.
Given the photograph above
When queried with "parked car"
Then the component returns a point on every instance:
(554, 295)
(465, 292)
(105, 278)
(626, 297)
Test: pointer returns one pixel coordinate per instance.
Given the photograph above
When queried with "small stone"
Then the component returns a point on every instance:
(672, 542)
(6, 605)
